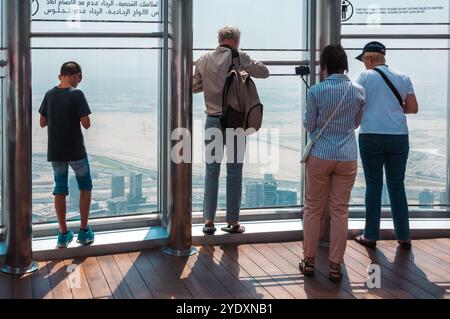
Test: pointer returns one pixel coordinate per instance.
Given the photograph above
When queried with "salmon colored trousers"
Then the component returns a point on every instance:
(328, 186)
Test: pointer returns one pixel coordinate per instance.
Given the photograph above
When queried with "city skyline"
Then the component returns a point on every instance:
(124, 100)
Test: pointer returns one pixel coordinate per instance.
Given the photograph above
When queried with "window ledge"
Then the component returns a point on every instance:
(109, 242)
(129, 240)
(292, 230)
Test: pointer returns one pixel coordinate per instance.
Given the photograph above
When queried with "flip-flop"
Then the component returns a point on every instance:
(209, 229)
(238, 229)
(366, 243)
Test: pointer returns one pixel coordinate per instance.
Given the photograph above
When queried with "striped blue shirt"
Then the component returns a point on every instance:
(338, 141)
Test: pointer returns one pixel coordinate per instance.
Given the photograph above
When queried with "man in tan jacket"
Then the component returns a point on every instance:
(211, 72)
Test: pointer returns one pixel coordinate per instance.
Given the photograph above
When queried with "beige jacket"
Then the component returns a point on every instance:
(211, 71)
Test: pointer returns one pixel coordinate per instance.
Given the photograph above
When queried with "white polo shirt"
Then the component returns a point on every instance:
(383, 113)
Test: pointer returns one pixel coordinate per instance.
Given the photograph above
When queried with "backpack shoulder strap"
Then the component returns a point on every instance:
(235, 61)
(234, 56)
(235, 53)
(391, 86)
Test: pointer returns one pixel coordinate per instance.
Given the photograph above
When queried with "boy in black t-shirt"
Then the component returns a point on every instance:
(63, 109)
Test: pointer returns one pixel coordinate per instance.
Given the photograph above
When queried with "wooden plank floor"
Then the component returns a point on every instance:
(240, 272)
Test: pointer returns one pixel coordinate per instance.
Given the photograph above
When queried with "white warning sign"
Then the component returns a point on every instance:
(101, 10)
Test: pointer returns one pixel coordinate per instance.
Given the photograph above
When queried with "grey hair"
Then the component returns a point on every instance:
(376, 56)
(228, 33)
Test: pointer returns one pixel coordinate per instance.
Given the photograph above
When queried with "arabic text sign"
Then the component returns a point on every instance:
(81, 10)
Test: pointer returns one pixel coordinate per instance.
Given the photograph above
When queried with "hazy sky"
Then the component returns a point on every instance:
(127, 80)
(266, 24)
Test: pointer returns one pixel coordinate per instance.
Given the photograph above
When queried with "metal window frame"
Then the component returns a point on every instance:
(398, 36)
(3, 100)
(448, 124)
(310, 11)
(163, 118)
(17, 190)
(422, 37)
(110, 223)
(126, 221)
(144, 35)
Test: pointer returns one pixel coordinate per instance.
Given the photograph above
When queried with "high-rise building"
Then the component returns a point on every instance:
(74, 193)
(426, 199)
(286, 198)
(135, 194)
(117, 186)
(254, 195)
(117, 206)
(443, 200)
(270, 191)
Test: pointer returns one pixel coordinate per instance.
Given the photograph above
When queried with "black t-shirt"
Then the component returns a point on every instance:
(63, 109)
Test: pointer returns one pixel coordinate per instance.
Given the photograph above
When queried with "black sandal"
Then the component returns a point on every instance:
(306, 268)
(366, 243)
(209, 229)
(238, 229)
(335, 274)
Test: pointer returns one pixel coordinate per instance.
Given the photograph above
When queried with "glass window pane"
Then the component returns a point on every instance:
(264, 24)
(95, 43)
(121, 87)
(274, 179)
(270, 55)
(427, 166)
(278, 147)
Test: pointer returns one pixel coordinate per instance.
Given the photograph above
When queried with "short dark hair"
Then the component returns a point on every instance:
(70, 68)
(334, 58)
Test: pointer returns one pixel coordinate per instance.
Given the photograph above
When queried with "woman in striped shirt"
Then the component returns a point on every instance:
(332, 165)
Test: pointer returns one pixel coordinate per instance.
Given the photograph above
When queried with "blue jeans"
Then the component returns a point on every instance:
(82, 174)
(234, 175)
(391, 153)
